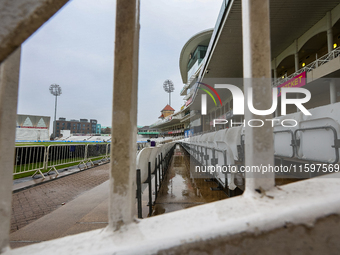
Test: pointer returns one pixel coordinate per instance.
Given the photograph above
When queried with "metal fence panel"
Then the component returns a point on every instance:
(29, 159)
(61, 154)
(96, 152)
(38, 158)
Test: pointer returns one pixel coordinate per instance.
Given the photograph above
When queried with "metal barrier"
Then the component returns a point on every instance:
(95, 151)
(298, 154)
(162, 163)
(39, 158)
(29, 159)
(61, 154)
(215, 157)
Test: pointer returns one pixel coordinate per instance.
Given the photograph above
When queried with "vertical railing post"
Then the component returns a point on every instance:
(9, 81)
(150, 188)
(124, 115)
(162, 162)
(46, 157)
(259, 146)
(139, 194)
(107, 152)
(159, 172)
(156, 179)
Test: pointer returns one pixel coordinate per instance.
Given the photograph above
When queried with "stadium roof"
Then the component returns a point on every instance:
(168, 108)
(201, 38)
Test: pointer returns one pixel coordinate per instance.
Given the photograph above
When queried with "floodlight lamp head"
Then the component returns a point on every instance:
(168, 86)
(55, 90)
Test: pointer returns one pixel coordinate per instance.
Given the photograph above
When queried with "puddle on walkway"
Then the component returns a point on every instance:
(179, 191)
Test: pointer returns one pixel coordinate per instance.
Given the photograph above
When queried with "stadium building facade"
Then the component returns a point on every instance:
(32, 128)
(81, 127)
(301, 217)
(305, 46)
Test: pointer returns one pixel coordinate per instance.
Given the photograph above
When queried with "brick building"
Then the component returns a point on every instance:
(82, 126)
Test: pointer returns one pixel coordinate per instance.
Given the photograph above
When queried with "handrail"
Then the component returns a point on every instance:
(310, 67)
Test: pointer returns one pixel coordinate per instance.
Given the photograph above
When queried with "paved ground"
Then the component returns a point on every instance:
(86, 212)
(39, 215)
(180, 191)
(33, 203)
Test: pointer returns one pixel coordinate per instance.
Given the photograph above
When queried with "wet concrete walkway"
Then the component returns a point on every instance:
(180, 191)
(87, 209)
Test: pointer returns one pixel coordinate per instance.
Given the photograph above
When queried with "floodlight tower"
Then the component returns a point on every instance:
(169, 87)
(55, 90)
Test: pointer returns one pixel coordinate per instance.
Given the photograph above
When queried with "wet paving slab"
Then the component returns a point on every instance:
(34, 202)
(180, 191)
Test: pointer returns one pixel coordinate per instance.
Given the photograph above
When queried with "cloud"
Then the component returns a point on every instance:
(75, 50)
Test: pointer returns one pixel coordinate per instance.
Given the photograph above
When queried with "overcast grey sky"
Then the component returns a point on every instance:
(75, 50)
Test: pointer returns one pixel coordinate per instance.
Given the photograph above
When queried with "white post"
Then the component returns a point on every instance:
(257, 73)
(124, 116)
(9, 81)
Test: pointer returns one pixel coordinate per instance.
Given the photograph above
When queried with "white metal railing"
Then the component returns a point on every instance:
(96, 151)
(315, 64)
(60, 154)
(29, 159)
(39, 159)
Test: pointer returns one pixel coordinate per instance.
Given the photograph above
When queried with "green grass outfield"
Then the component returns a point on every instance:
(55, 143)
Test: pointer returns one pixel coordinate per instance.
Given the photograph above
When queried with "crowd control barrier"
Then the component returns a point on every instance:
(39, 159)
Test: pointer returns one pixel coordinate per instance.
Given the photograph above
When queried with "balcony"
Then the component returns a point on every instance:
(310, 67)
